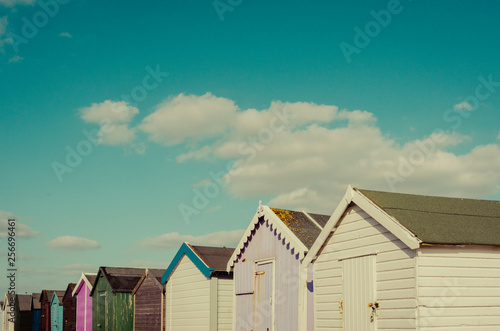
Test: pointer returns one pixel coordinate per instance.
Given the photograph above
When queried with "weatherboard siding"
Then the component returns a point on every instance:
(358, 235)
(113, 311)
(56, 315)
(266, 244)
(459, 288)
(187, 298)
(148, 306)
(84, 308)
(225, 293)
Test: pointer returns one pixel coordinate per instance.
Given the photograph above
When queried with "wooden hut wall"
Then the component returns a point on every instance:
(149, 306)
(37, 312)
(84, 308)
(69, 310)
(267, 246)
(45, 312)
(56, 314)
(188, 298)
(24, 316)
(111, 311)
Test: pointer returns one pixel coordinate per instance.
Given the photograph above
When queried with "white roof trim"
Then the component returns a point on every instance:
(84, 278)
(389, 222)
(276, 223)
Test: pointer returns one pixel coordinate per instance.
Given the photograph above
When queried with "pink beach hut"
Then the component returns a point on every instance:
(84, 302)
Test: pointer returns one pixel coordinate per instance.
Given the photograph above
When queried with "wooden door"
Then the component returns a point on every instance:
(264, 296)
(359, 306)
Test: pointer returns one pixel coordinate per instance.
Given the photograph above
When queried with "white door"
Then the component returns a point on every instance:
(263, 297)
(359, 306)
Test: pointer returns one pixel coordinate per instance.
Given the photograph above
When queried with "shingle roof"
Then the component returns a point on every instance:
(301, 225)
(91, 278)
(24, 301)
(440, 220)
(215, 257)
(125, 279)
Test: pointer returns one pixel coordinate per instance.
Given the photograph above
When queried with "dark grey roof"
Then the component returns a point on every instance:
(47, 295)
(36, 301)
(24, 302)
(214, 257)
(440, 220)
(125, 279)
(298, 222)
(91, 278)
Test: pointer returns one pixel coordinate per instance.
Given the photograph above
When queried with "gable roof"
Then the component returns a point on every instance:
(304, 225)
(155, 275)
(120, 279)
(207, 259)
(441, 220)
(85, 279)
(35, 298)
(298, 229)
(24, 302)
(418, 219)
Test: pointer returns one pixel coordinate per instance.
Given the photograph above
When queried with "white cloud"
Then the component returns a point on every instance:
(189, 118)
(113, 118)
(116, 134)
(12, 3)
(15, 58)
(175, 240)
(22, 230)
(73, 243)
(109, 112)
(464, 105)
(65, 34)
(303, 155)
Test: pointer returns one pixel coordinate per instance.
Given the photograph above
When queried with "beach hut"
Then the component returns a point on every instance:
(390, 261)
(267, 273)
(84, 302)
(2, 312)
(69, 309)
(9, 308)
(56, 311)
(149, 302)
(24, 316)
(36, 309)
(45, 298)
(112, 301)
(199, 290)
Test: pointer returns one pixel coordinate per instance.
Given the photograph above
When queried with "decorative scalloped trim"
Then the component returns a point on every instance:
(275, 224)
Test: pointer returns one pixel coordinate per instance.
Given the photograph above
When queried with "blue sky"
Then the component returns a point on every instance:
(128, 127)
